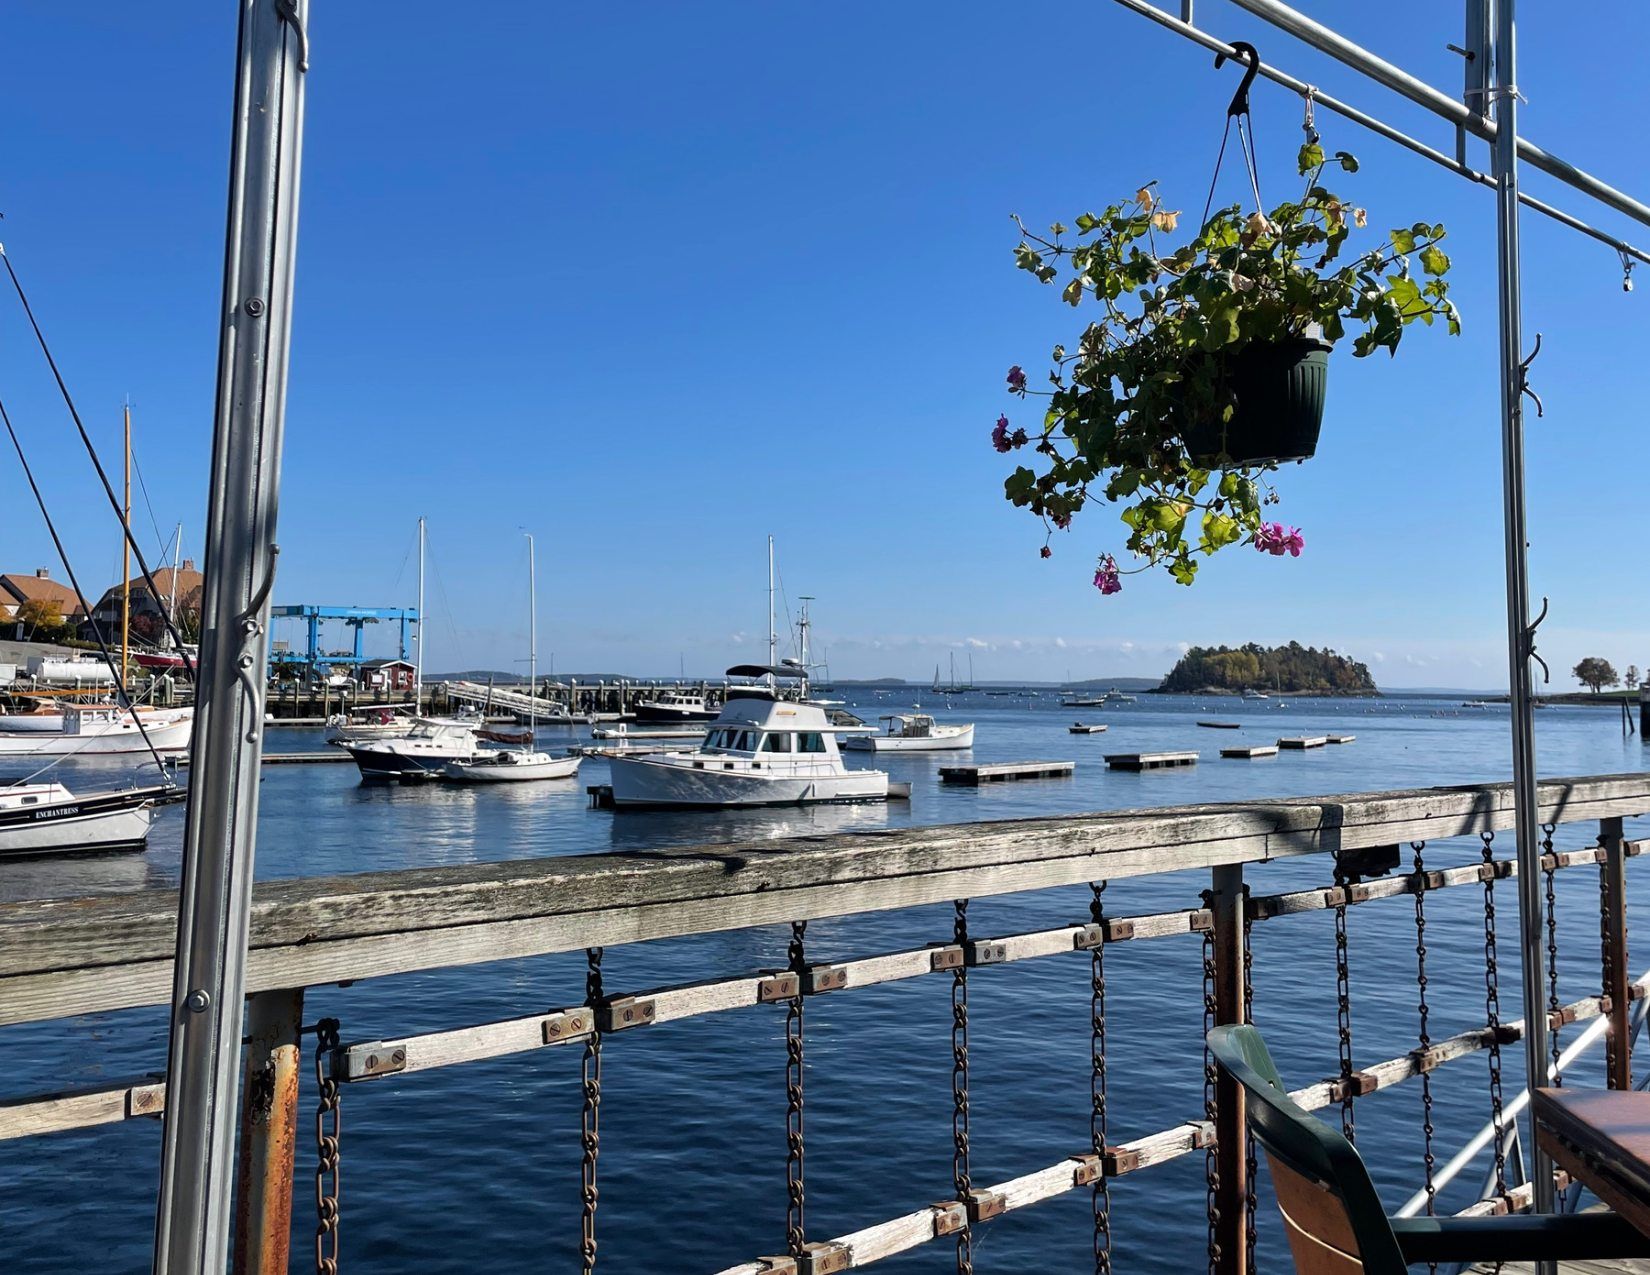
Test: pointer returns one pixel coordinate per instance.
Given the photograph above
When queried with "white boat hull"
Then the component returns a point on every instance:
(66, 824)
(478, 770)
(102, 739)
(658, 782)
(944, 739)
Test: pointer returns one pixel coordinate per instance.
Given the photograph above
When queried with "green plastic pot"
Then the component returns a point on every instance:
(1278, 388)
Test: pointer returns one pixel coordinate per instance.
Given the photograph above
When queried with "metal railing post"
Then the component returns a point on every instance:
(1226, 903)
(192, 1220)
(269, 1133)
(1616, 980)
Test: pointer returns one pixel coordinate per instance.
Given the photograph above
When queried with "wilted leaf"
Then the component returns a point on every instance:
(1165, 220)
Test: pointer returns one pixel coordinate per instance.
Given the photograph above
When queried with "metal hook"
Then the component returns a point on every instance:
(1240, 99)
(1536, 623)
(1529, 636)
(1309, 125)
(1524, 380)
(288, 9)
(1626, 270)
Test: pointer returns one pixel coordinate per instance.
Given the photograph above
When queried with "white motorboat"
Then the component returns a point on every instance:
(103, 729)
(47, 718)
(913, 733)
(381, 721)
(675, 706)
(1254, 694)
(39, 819)
(510, 765)
(421, 753)
(758, 752)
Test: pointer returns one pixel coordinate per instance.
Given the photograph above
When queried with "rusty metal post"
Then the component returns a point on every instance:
(1616, 977)
(1226, 902)
(269, 1133)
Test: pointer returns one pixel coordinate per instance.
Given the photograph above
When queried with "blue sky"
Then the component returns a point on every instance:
(655, 281)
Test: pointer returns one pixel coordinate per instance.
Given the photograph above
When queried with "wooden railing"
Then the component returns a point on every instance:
(70, 957)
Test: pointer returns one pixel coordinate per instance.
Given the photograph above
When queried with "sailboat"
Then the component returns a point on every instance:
(517, 765)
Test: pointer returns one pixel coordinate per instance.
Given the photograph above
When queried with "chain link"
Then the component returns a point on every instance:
(1098, 1132)
(1343, 1007)
(1211, 1104)
(795, 1233)
(1549, 866)
(328, 1127)
(959, 1089)
(1492, 1014)
(1424, 1033)
(590, 1074)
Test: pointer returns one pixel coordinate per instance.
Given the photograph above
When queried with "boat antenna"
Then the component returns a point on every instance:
(418, 651)
(532, 645)
(74, 583)
(97, 463)
(773, 639)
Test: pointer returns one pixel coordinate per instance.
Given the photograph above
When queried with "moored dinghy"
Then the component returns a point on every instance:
(913, 733)
(510, 765)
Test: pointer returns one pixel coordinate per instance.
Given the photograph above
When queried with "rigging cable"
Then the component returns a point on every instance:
(74, 583)
(97, 464)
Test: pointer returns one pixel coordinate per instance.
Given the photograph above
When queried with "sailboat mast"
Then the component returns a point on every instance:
(802, 642)
(418, 661)
(172, 593)
(126, 560)
(773, 639)
(532, 642)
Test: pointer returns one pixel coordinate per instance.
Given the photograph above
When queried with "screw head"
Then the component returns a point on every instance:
(197, 1001)
(254, 306)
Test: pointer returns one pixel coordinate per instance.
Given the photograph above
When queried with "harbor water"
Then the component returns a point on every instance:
(476, 1167)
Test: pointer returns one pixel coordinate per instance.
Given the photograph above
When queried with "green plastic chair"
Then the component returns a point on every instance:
(1334, 1219)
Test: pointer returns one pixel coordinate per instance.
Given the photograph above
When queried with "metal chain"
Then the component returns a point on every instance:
(590, 1073)
(959, 1089)
(1343, 1007)
(1098, 1132)
(1492, 1015)
(328, 1127)
(795, 1233)
(1424, 1034)
(1549, 865)
(1250, 1165)
(1211, 1105)
(1604, 921)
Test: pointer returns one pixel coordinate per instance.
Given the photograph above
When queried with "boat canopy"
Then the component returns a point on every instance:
(764, 670)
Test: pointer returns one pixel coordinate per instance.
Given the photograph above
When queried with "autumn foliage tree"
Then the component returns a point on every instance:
(41, 620)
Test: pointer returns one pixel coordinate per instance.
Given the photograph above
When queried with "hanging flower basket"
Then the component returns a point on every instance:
(1203, 363)
(1277, 390)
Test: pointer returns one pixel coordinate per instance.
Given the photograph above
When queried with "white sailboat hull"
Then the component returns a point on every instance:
(46, 819)
(943, 739)
(102, 739)
(481, 770)
(661, 782)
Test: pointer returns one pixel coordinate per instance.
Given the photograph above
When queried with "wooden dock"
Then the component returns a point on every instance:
(1303, 741)
(331, 755)
(1001, 772)
(1150, 761)
(1340, 739)
(1221, 725)
(1257, 750)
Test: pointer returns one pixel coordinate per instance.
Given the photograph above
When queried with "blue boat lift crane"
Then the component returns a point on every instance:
(357, 618)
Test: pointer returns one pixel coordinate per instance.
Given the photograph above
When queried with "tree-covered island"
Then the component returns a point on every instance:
(1297, 669)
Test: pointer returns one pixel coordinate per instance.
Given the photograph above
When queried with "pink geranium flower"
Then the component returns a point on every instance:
(1106, 578)
(1276, 539)
(1016, 378)
(999, 436)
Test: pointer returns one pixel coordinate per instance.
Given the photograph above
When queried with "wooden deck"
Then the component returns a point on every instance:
(1303, 741)
(1254, 750)
(1150, 761)
(1001, 772)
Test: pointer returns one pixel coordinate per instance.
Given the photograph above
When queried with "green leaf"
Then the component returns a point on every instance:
(1073, 292)
(1019, 485)
(1311, 156)
(1434, 260)
(1403, 240)
(1349, 161)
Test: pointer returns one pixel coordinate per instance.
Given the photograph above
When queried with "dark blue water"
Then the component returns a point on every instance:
(477, 1167)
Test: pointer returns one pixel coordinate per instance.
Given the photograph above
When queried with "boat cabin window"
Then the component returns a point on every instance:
(778, 741)
(29, 801)
(810, 742)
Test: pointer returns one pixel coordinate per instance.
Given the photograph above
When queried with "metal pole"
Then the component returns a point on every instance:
(1226, 902)
(198, 1152)
(1520, 636)
(269, 1133)
(1423, 94)
(418, 663)
(1616, 984)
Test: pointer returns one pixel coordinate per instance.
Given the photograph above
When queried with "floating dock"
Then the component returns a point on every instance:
(1303, 741)
(662, 732)
(1221, 725)
(1001, 772)
(333, 755)
(1340, 739)
(1258, 750)
(1079, 728)
(1150, 761)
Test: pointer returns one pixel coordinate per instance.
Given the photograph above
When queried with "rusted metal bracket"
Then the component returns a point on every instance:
(823, 1259)
(985, 1205)
(147, 1100)
(945, 956)
(1357, 1084)
(1111, 930)
(778, 1265)
(1116, 1161)
(1426, 1060)
(824, 978)
(784, 986)
(950, 1216)
(985, 952)
(1086, 1170)
(622, 1012)
(1199, 920)
(572, 1024)
(1203, 1134)
(366, 1061)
